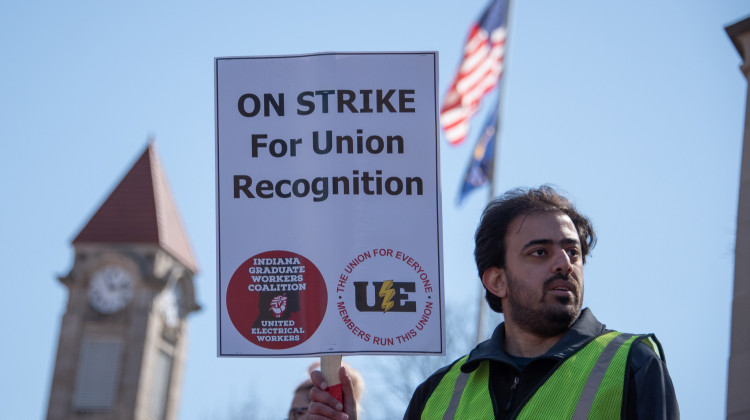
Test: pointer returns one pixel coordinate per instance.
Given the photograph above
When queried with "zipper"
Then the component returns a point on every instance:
(512, 391)
(530, 394)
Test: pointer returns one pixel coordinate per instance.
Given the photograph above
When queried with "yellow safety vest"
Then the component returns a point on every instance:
(588, 384)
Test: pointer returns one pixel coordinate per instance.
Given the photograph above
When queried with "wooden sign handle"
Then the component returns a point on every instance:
(329, 367)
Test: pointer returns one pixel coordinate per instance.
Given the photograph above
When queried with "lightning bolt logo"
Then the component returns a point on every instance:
(387, 293)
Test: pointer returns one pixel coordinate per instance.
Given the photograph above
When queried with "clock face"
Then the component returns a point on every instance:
(110, 290)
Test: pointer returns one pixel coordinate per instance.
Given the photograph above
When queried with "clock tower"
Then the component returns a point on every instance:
(123, 336)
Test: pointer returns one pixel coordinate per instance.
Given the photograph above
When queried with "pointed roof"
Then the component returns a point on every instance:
(141, 210)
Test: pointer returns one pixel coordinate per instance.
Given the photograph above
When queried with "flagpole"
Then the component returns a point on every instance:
(482, 313)
(499, 106)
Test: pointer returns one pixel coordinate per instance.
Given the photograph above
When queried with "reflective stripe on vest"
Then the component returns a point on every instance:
(588, 384)
(446, 399)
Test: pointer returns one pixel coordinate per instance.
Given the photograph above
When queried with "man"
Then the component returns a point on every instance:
(549, 359)
(300, 402)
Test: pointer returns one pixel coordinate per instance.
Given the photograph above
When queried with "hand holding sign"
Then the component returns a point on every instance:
(324, 405)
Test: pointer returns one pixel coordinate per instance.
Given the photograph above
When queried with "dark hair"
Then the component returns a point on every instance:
(489, 240)
(305, 386)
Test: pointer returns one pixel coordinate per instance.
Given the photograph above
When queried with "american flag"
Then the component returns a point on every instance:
(479, 71)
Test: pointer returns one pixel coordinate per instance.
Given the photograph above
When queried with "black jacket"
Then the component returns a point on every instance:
(649, 394)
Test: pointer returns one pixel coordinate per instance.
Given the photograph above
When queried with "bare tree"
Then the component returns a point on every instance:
(251, 407)
(398, 376)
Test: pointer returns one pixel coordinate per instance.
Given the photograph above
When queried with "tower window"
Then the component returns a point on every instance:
(97, 376)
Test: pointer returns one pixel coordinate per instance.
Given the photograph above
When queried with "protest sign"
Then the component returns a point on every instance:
(328, 205)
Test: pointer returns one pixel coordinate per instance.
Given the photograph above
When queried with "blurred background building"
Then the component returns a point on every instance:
(123, 336)
(738, 381)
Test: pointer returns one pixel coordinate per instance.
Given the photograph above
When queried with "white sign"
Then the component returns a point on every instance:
(329, 238)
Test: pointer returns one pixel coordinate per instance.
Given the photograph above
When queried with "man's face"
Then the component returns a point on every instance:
(543, 273)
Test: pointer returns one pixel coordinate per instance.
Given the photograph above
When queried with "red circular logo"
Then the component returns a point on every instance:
(277, 299)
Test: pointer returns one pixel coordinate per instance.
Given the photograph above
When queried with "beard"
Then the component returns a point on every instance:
(536, 315)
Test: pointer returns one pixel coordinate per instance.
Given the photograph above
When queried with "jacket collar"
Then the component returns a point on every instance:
(585, 328)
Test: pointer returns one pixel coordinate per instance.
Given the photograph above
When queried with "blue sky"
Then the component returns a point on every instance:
(635, 109)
